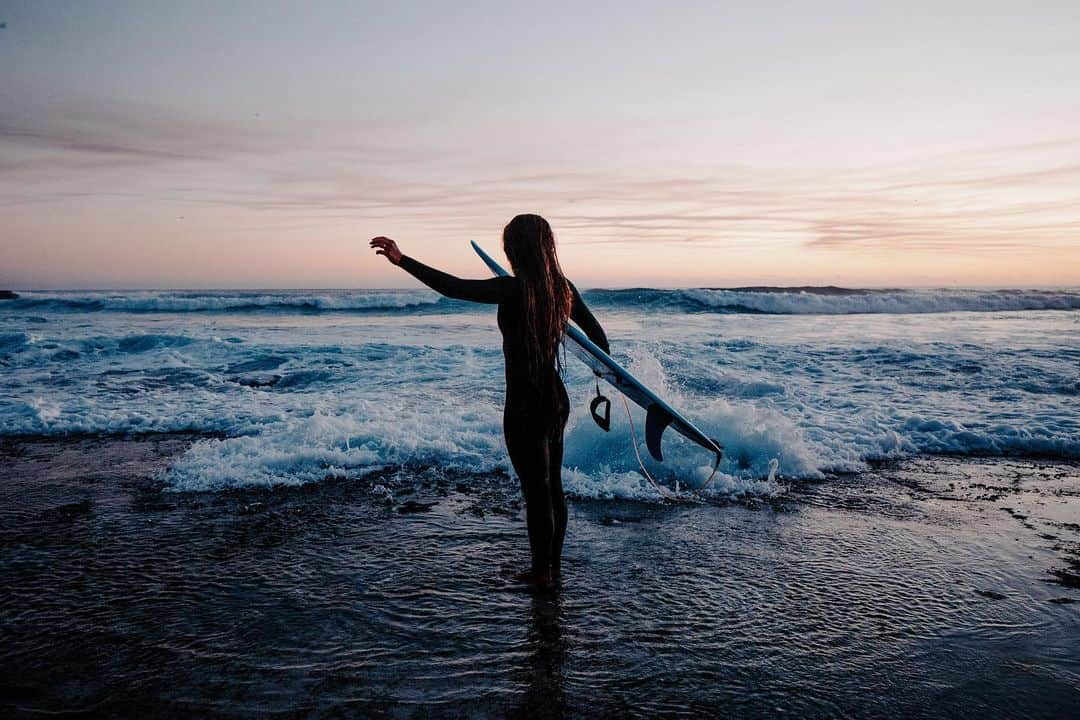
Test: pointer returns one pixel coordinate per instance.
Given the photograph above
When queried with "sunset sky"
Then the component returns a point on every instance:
(258, 144)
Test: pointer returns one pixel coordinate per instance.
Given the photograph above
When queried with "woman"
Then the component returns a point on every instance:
(534, 306)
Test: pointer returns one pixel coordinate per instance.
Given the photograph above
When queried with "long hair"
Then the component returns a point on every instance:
(529, 245)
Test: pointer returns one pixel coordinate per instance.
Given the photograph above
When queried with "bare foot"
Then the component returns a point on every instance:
(540, 580)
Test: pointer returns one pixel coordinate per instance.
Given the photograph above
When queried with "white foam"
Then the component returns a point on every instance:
(180, 302)
(366, 438)
(893, 302)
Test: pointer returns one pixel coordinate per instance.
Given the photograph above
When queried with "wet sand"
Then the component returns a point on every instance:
(936, 587)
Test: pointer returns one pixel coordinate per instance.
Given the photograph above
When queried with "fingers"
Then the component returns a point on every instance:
(387, 248)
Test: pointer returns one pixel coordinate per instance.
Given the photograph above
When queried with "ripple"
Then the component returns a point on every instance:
(856, 597)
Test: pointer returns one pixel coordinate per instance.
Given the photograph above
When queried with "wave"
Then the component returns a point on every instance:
(13, 342)
(306, 426)
(287, 400)
(227, 301)
(763, 300)
(834, 301)
(359, 438)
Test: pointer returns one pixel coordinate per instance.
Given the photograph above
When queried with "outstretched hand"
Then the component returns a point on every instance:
(387, 247)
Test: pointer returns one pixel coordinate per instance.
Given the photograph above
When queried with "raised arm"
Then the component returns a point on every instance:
(490, 290)
(580, 314)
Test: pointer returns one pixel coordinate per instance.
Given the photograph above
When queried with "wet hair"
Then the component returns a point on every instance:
(546, 298)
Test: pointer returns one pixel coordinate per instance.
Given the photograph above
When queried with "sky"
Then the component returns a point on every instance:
(261, 144)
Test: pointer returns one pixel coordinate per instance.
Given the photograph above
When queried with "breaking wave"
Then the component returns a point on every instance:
(836, 301)
(753, 300)
(227, 301)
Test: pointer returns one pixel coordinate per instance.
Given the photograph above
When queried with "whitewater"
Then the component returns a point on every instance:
(292, 387)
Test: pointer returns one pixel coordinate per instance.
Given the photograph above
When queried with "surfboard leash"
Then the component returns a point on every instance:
(716, 465)
(664, 492)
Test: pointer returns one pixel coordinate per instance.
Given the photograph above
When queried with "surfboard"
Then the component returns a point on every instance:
(659, 415)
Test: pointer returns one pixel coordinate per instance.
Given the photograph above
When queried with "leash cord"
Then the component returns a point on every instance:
(664, 492)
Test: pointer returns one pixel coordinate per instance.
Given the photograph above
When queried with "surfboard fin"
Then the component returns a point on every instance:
(656, 421)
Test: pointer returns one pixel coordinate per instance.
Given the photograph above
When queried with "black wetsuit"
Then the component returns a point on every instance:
(534, 432)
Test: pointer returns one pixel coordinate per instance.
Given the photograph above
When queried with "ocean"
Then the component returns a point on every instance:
(298, 503)
(302, 385)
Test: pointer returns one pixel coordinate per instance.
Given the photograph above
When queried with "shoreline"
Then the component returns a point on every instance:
(9, 441)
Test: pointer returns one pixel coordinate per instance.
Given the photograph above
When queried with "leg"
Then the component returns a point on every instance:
(528, 449)
(558, 500)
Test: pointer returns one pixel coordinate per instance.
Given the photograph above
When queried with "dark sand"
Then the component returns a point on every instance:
(942, 587)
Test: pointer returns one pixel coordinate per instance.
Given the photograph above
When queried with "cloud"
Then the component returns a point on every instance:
(999, 199)
(106, 133)
(81, 144)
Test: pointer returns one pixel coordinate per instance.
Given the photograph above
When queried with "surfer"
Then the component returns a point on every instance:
(534, 306)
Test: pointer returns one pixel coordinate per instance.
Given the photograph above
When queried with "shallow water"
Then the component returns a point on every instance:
(921, 589)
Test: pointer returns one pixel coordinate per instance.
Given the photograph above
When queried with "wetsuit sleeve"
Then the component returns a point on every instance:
(585, 320)
(491, 290)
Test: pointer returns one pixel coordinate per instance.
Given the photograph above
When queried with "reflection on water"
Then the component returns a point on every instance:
(544, 695)
(920, 591)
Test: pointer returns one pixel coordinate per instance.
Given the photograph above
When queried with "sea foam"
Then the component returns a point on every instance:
(777, 301)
